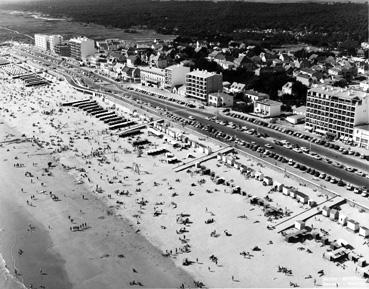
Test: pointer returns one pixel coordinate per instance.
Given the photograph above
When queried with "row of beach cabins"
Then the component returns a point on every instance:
(341, 218)
(17, 72)
(338, 251)
(266, 180)
(109, 117)
(159, 129)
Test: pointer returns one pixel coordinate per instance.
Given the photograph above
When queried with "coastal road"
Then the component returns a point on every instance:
(308, 161)
(200, 116)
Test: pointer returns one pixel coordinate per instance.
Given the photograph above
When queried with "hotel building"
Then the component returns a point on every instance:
(152, 76)
(42, 41)
(336, 111)
(81, 47)
(199, 83)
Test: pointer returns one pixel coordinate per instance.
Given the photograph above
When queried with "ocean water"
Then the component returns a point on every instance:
(21, 26)
(7, 279)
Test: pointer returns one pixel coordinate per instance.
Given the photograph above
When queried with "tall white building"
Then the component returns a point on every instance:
(336, 111)
(199, 83)
(42, 41)
(55, 40)
(47, 42)
(82, 47)
(175, 75)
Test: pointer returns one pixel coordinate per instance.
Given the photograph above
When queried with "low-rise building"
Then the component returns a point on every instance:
(152, 76)
(361, 136)
(254, 95)
(268, 108)
(287, 88)
(237, 87)
(220, 99)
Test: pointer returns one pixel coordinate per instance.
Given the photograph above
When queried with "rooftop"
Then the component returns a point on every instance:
(344, 93)
(363, 127)
(269, 102)
(201, 73)
(152, 70)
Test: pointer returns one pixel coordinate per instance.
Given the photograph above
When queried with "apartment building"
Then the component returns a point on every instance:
(199, 83)
(175, 75)
(335, 111)
(54, 40)
(42, 41)
(62, 49)
(152, 76)
(81, 47)
(47, 42)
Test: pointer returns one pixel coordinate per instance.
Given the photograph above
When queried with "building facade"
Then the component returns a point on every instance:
(175, 75)
(42, 41)
(268, 108)
(152, 76)
(361, 136)
(336, 111)
(220, 99)
(54, 40)
(199, 83)
(62, 49)
(81, 47)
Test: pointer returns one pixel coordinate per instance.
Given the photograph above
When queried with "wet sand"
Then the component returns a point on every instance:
(103, 256)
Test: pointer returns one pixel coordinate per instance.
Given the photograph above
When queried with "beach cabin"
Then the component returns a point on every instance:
(353, 225)
(230, 161)
(361, 262)
(312, 203)
(299, 225)
(236, 165)
(325, 241)
(342, 219)
(364, 231)
(333, 214)
(259, 176)
(277, 186)
(207, 150)
(364, 272)
(293, 192)
(343, 243)
(301, 197)
(336, 255)
(326, 211)
(352, 256)
(315, 235)
(267, 181)
(286, 190)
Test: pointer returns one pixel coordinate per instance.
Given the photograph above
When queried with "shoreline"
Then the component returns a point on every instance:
(141, 253)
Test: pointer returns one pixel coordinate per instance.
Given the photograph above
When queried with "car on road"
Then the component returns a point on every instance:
(269, 146)
(191, 117)
(350, 169)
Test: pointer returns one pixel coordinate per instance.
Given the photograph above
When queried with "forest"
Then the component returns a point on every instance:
(327, 24)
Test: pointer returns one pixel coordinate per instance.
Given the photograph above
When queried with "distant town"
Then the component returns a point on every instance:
(326, 91)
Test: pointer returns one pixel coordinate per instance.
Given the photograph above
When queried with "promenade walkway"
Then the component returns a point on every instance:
(202, 159)
(307, 214)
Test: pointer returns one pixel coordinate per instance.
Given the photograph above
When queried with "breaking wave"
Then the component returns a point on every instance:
(7, 279)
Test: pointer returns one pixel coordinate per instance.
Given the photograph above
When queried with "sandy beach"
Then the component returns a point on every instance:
(107, 214)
